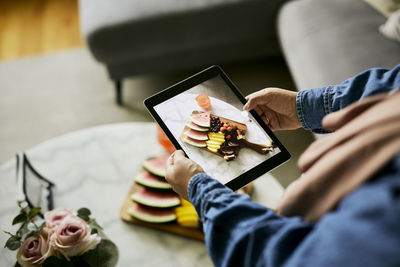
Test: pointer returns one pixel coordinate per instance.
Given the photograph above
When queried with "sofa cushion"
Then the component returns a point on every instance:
(391, 28)
(135, 30)
(328, 41)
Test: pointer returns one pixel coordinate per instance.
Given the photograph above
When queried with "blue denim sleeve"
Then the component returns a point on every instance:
(237, 230)
(314, 104)
(362, 231)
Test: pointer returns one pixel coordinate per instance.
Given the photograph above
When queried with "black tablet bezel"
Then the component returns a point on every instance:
(201, 77)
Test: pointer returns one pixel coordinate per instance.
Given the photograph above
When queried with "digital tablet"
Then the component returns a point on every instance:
(203, 115)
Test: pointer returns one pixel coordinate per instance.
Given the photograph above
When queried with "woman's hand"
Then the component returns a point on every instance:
(179, 171)
(277, 108)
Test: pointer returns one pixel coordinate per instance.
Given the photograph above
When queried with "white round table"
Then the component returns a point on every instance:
(94, 168)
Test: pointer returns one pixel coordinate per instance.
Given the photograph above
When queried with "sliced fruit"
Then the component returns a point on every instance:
(186, 207)
(190, 222)
(213, 146)
(213, 142)
(186, 215)
(216, 134)
(156, 165)
(194, 142)
(196, 135)
(184, 202)
(156, 199)
(222, 136)
(215, 150)
(196, 127)
(151, 215)
(182, 210)
(148, 180)
(216, 138)
(202, 119)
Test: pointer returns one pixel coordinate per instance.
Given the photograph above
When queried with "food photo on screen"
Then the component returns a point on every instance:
(210, 125)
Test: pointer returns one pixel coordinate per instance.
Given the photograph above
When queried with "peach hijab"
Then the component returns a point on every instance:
(366, 137)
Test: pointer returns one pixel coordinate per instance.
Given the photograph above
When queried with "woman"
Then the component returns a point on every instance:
(345, 208)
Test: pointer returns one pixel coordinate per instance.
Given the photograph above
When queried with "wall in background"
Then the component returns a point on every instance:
(37, 27)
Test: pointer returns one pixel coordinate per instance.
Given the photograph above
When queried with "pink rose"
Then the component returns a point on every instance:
(33, 251)
(72, 237)
(55, 217)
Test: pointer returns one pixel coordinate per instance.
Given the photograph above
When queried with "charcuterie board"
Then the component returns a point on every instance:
(218, 135)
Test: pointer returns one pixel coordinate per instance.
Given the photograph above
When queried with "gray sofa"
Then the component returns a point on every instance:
(327, 41)
(323, 41)
(134, 37)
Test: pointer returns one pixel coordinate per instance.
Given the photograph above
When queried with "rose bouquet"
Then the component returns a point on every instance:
(62, 238)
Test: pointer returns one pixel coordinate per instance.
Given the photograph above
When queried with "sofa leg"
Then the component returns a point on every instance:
(118, 92)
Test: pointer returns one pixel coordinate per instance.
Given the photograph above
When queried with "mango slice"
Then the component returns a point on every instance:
(186, 215)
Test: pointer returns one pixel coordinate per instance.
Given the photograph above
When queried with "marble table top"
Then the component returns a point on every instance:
(95, 168)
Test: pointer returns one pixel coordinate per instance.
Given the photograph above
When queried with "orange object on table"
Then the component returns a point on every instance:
(203, 101)
(164, 141)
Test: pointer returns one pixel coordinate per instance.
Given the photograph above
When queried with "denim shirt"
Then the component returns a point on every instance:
(363, 230)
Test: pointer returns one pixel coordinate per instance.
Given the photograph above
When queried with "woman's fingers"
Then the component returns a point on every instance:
(257, 98)
(178, 155)
(268, 116)
(170, 160)
(252, 102)
(258, 110)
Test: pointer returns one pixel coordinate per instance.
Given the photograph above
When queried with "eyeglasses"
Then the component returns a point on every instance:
(33, 187)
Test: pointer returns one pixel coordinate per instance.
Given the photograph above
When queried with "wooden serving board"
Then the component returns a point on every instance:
(242, 127)
(173, 227)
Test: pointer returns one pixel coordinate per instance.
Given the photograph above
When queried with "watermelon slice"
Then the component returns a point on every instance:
(151, 215)
(196, 127)
(156, 166)
(202, 119)
(149, 180)
(156, 199)
(196, 135)
(194, 142)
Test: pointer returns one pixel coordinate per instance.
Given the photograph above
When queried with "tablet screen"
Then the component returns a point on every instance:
(209, 123)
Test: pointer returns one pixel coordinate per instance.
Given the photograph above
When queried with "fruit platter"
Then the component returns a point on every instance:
(218, 135)
(152, 203)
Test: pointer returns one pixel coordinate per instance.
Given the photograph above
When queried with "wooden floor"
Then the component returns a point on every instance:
(31, 27)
